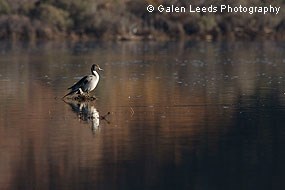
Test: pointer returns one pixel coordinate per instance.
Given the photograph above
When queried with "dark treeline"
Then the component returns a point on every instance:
(129, 20)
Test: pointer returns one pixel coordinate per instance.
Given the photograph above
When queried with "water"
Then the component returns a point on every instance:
(182, 116)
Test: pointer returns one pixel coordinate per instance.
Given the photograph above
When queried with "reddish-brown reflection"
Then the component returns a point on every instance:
(171, 112)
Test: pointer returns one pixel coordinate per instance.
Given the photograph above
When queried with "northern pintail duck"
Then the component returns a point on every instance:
(87, 83)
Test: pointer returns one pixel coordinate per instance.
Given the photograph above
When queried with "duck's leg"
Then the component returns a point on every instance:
(80, 91)
(81, 94)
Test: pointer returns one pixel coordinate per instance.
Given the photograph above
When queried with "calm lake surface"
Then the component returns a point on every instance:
(193, 115)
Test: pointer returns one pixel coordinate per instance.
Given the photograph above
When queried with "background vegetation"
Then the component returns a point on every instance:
(129, 20)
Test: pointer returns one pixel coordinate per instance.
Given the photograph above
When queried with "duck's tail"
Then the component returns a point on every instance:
(78, 91)
(71, 92)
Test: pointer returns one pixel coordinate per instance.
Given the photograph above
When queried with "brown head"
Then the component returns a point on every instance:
(95, 67)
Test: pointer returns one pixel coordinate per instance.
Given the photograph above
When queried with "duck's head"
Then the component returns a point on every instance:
(96, 67)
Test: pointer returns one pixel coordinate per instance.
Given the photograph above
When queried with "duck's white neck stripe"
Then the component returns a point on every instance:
(95, 73)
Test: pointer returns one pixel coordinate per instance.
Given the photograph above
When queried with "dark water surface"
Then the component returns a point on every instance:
(182, 116)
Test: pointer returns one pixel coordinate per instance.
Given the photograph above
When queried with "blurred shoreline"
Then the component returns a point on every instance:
(33, 20)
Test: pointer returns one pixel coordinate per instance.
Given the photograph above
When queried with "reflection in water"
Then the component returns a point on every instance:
(87, 112)
(203, 116)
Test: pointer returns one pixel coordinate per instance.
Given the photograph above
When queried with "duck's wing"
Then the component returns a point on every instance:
(80, 83)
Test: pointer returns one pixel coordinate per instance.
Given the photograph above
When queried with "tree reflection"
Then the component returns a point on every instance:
(182, 114)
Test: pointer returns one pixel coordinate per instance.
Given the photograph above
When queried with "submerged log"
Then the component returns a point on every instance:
(83, 98)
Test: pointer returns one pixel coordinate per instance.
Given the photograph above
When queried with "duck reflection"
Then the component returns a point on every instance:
(86, 111)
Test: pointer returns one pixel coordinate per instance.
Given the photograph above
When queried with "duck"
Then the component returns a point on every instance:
(87, 83)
